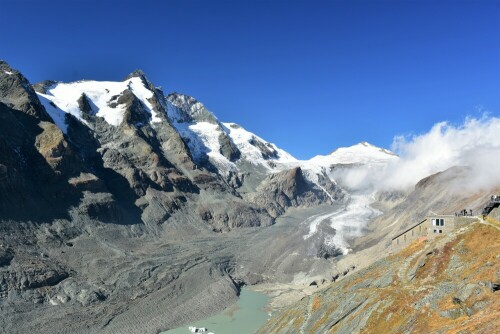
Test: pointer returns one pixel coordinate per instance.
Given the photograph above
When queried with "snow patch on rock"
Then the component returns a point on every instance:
(244, 139)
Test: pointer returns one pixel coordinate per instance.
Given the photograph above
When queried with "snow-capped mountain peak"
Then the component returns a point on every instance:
(365, 147)
(61, 98)
(361, 153)
(222, 145)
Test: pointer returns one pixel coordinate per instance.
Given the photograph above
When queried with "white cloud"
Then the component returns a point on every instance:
(475, 143)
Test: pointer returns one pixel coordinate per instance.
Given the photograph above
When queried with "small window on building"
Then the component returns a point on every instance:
(440, 231)
(435, 231)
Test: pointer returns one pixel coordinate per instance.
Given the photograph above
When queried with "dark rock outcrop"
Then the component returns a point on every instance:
(329, 251)
(85, 105)
(6, 255)
(228, 148)
(267, 151)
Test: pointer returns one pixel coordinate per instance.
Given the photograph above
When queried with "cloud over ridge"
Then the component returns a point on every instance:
(475, 143)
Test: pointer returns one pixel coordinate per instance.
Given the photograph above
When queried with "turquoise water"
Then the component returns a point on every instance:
(246, 317)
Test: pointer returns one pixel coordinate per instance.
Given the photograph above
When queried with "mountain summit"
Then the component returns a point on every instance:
(361, 153)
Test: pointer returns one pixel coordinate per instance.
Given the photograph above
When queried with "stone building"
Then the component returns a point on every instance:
(432, 226)
(439, 224)
(407, 236)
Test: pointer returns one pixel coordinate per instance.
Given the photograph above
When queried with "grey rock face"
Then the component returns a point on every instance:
(24, 276)
(225, 216)
(268, 152)
(287, 189)
(99, 206)
(72, 291)
(186, 109)
(43, 86)
(135, 113)
(190, 109)
(16, 91)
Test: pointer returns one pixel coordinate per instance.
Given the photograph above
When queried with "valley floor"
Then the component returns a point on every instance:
(152, 284)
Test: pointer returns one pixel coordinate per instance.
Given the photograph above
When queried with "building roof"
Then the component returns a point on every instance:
(409, 229)
(439, 216)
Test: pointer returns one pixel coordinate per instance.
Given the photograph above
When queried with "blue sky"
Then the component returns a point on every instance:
(307, 75)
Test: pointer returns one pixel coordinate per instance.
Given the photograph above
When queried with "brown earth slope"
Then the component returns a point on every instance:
(432, 286)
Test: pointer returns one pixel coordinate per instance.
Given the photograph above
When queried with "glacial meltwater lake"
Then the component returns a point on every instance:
(245, 317)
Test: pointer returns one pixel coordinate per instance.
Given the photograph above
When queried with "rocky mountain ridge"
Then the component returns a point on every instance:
(114, 198)
(123, 136)
(133, 141)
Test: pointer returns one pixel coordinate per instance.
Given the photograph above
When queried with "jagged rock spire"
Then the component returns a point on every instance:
(140, 74)
(16, 91)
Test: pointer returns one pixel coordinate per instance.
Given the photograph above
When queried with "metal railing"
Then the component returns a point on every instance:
(494, 201)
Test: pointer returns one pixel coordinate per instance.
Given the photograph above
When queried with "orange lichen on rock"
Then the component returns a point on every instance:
(316, 304)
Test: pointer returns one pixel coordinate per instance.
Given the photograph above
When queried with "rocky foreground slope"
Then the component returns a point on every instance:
(446, 285)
